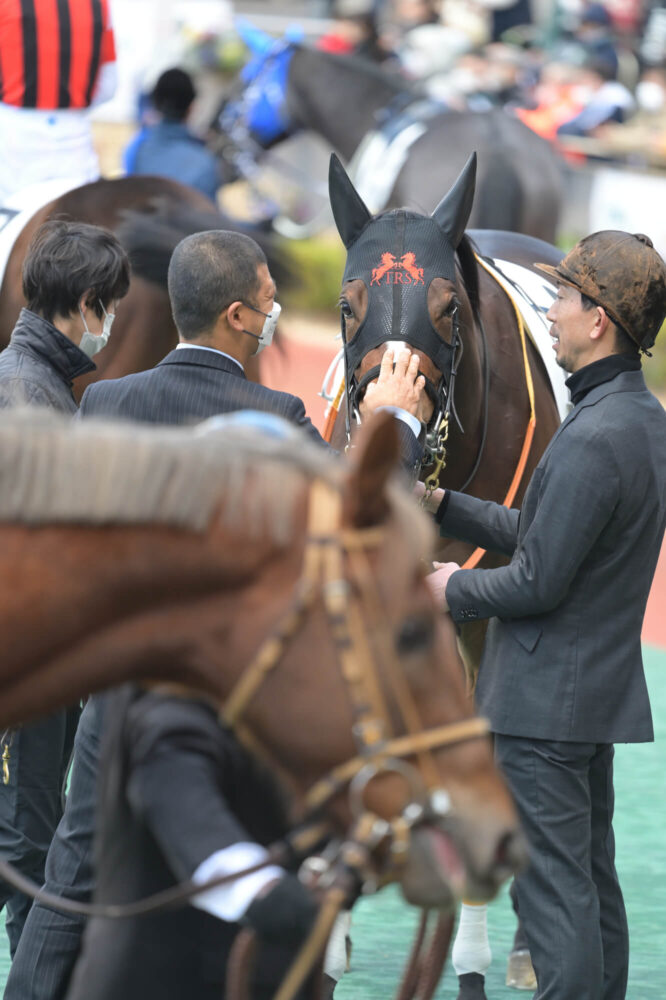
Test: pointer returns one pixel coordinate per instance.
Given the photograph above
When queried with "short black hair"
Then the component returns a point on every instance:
(173, 94)
(207, 272)
(623, 342)
(67, 259)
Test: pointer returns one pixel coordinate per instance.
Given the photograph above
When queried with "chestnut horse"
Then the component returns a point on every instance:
(150, 215)
(169, 555)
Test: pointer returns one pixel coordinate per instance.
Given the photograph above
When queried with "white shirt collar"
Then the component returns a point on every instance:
(202, 347)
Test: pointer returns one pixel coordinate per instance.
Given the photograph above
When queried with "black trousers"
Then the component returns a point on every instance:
(569, 897)
(51, 940)
(31, 805)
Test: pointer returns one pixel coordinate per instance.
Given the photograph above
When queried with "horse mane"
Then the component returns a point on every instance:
(95, 472)
(150, 237)
(366, 68)
(469, 269)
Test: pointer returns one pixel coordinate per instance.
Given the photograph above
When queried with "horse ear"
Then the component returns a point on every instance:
(349, 210)
(453, 210)
(258, 42)
(373, 460)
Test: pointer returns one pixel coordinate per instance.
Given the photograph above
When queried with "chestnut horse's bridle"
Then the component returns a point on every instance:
(328, 545)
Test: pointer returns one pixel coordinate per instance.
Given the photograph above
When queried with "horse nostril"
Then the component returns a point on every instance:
(511, 852)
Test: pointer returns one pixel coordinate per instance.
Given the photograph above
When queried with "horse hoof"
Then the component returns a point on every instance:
(520, 971)
(472, 986)
(328, 985)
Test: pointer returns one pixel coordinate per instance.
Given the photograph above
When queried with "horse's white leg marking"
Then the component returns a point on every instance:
(335, 961)
(471, 949)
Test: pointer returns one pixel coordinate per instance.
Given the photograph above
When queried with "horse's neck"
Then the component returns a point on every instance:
(129, 604)
(469, 395)
(337, 97)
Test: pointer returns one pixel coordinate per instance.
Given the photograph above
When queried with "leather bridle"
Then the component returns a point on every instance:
(349, 603)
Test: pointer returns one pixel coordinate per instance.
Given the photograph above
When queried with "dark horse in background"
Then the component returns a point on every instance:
(149, 215)
(292, 87)
(419, 280)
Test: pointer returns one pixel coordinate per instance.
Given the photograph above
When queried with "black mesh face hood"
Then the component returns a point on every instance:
(397, 256)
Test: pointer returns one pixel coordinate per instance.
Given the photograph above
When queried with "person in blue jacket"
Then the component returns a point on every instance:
(169, 148)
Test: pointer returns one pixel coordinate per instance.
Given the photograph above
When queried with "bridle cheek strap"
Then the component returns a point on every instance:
(327, 548)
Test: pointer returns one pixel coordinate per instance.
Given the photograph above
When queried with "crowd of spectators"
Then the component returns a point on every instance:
(589, 76)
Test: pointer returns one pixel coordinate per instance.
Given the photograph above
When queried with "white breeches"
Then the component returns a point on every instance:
(40, 146)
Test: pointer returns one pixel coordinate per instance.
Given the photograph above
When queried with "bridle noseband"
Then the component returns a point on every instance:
(349, 603)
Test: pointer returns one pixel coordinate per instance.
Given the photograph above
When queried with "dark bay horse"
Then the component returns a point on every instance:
(342, 99)
(170, 556)
(493, 396)
(150, 215)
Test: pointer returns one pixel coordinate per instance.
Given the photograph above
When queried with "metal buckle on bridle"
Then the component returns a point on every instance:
(438, 436)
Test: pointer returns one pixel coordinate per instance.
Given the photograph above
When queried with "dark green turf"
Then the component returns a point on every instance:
(384, 925)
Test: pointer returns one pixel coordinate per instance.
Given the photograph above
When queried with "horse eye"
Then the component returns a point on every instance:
(415, 634)
(345, 308)
(451, 308)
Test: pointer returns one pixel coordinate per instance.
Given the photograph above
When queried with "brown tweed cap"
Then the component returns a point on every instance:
(623, 273)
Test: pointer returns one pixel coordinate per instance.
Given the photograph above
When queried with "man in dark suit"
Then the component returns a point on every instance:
(561, 676)
(179, 798)
(223, 300)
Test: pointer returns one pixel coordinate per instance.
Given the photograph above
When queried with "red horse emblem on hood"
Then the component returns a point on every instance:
(408, 261)
(387, 264)
(398, 272)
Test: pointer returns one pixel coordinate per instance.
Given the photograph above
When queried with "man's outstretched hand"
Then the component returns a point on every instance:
(400, 386)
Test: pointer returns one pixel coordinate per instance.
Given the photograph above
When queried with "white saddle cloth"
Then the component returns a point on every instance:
(534, 294)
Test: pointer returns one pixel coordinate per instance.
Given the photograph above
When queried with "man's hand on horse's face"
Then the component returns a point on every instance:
(397, 385)
(438, 580)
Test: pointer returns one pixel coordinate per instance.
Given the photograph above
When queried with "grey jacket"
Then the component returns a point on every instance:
(38, 365)
(562, 659)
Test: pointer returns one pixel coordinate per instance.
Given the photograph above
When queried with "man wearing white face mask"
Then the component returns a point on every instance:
(71, 276)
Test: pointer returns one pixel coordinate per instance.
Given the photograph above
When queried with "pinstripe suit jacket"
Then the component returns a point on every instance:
(190, 385)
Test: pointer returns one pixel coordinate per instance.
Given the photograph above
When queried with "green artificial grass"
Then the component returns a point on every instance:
(383, 925)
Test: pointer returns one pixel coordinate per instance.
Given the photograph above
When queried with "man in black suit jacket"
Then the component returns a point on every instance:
(178, 797)
(561, 676)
